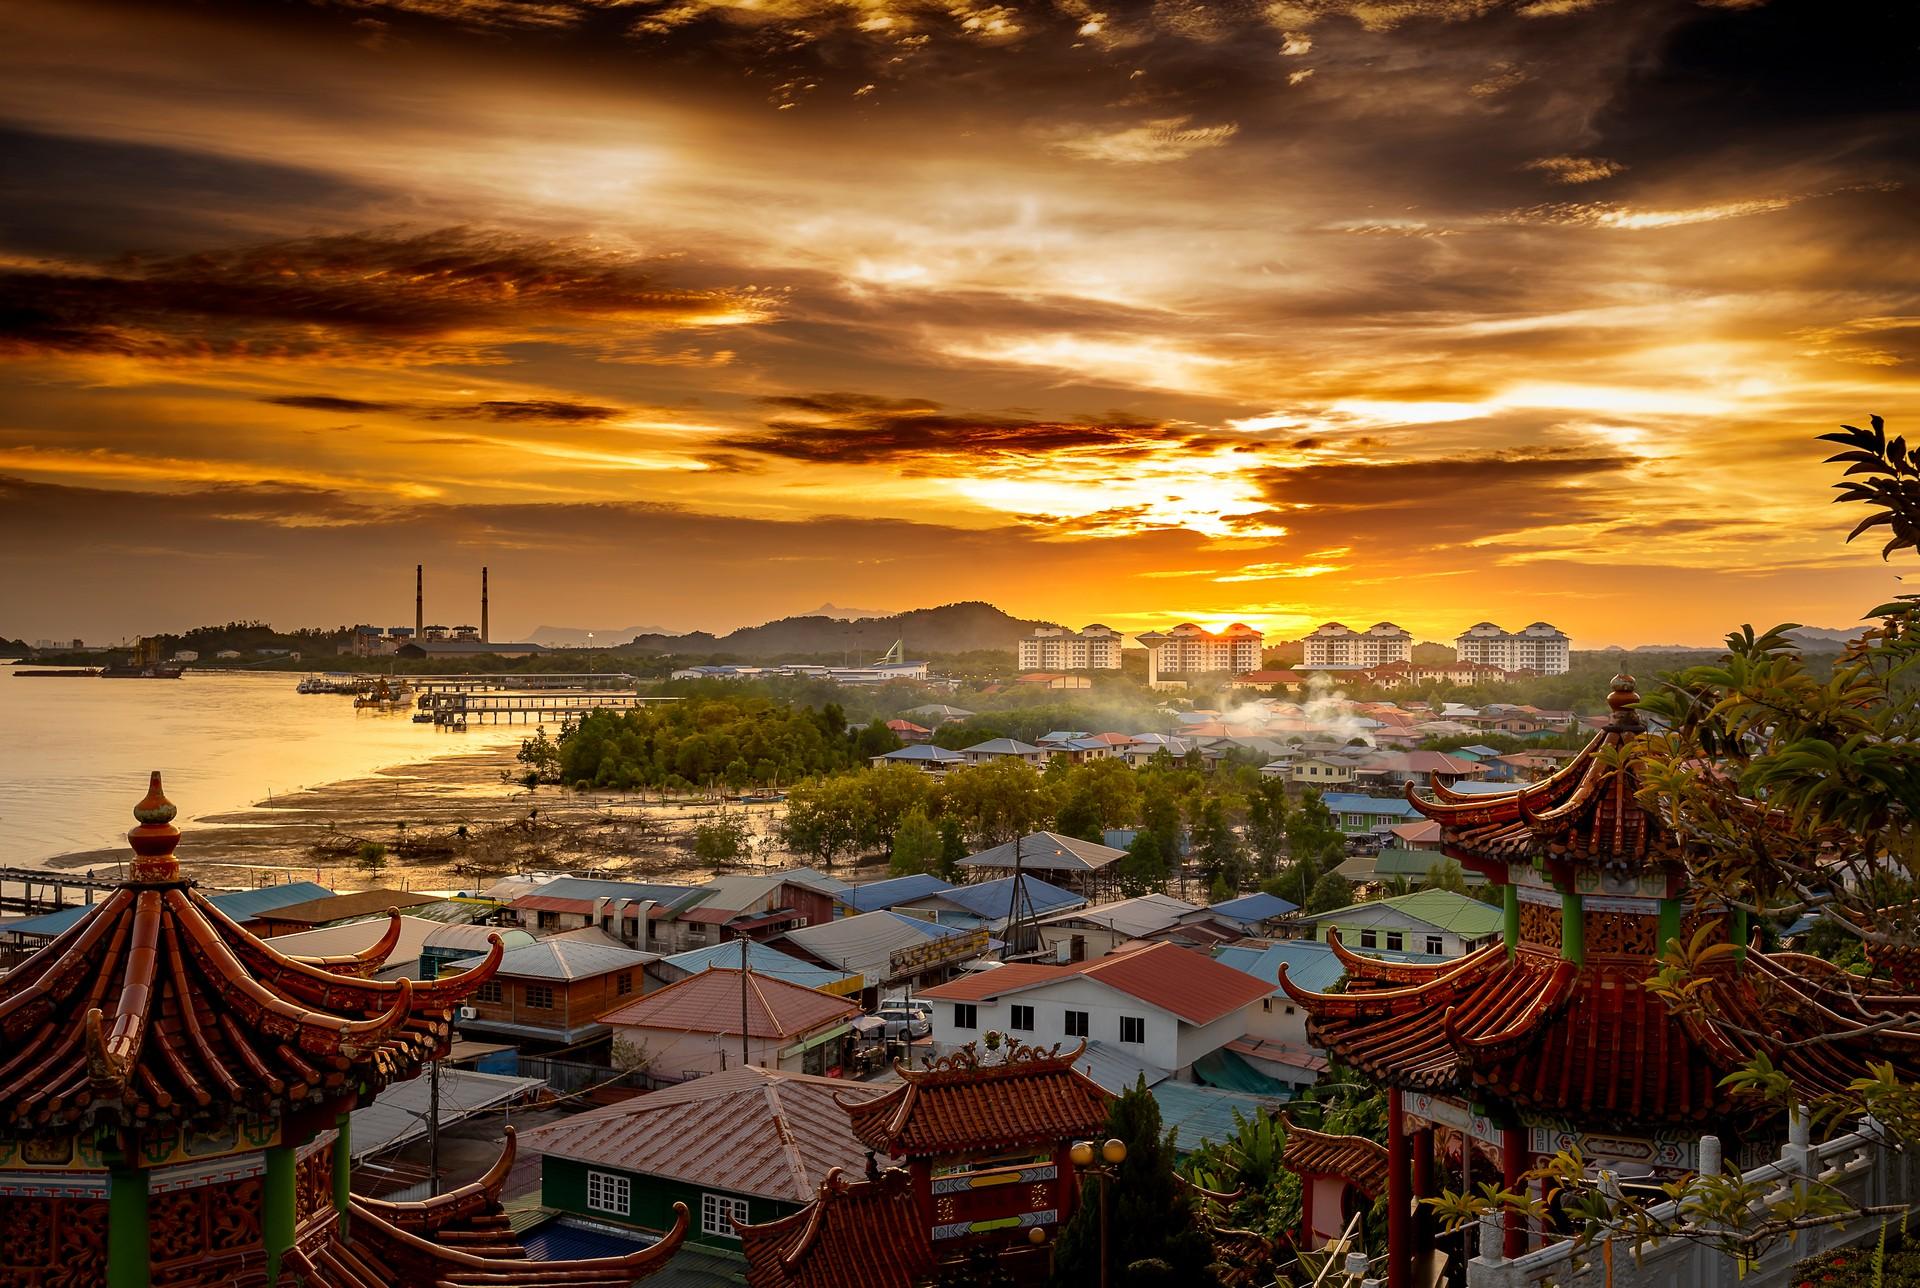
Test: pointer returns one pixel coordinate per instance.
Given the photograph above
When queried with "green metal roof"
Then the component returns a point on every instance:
(1443, 909)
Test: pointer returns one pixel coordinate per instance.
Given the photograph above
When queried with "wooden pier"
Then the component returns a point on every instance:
(572, 680)
(459, 708)
(31, 892)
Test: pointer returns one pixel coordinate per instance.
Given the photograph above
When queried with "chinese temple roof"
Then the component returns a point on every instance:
(156, 1005)
(1584, 813)
(1360, 1162)
(967, 1101)
(855, 1234)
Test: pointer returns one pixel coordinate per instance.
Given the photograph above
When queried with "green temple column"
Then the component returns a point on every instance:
(1671, 910)
(277, 1219)
(129, 1254)
(1510, 917)
(1573, 927)
(342, 1171)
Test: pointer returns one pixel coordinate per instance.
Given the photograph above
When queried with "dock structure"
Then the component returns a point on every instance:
(458, 708)
(41, 892)
(519, 683)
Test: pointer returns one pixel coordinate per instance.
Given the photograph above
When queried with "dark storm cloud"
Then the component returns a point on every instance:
(919, 436)
(553, 411)
(383, 296)
(326, 402)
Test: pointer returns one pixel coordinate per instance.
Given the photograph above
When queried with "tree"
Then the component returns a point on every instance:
(1445, 874)
(723, 840)
(953, 848)
(371, 857)
(997, 801)
(1267, 825)
(1154, 1235)
(1328, 893)
(826, 818)
(916, 845)
(1144, 869)
(1216, 846)
(876, 740)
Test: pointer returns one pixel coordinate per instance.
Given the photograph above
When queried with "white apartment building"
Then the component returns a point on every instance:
(1054, 648)
(1337, 646)
(1191, 650)
(1540, 647)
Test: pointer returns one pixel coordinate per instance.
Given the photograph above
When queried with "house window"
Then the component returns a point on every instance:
(1436, 946)
(719, 1212)
(1395, 940)
(1076, 1024)
(623, 983)
(697, 932)
(1022, 1019)
(1133, 1028)
(609, 1193)
(965, 1016)
(540, 997)
(489, 992)
(1289, 1010)
(1369, 939)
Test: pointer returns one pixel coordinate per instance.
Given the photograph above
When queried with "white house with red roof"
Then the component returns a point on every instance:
(1165, 1005)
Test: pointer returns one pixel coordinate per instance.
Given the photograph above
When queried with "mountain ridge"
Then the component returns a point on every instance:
(949, 628)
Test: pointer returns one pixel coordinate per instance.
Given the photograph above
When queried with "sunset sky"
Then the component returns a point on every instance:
(697, 313)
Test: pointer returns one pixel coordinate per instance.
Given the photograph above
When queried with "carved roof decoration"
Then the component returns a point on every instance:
(1360, 1162)
(972, 1100)
(155, 1005)
(1584, 813)
(855, 1234)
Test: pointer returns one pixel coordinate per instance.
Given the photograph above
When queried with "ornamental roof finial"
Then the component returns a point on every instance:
(154, 840)
(1622, 696)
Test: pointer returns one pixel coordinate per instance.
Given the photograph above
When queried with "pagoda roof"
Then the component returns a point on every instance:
(1592, 1041)
(156, 1005)
(964, 1102)
(1360, 1162)
(855, 1234)
(1586, 812)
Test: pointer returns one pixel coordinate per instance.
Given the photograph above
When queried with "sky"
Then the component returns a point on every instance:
(697, 313)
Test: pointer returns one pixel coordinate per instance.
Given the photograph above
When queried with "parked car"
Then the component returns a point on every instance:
(905, 1022)
(919, 1007)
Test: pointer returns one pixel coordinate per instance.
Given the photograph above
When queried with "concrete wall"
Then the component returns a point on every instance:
(1171, 1043)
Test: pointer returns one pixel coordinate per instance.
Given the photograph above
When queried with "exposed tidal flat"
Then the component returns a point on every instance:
(276, 785)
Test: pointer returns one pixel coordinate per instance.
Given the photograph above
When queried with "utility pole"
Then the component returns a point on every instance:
(746, 1057)
(1012, 943)
(433, 1128)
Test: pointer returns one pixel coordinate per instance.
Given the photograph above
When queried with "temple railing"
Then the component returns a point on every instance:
(1862, 1166)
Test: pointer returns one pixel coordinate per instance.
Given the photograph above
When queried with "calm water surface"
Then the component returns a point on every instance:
(74, 754)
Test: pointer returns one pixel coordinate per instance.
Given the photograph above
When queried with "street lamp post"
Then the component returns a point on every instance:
(1103, 1163)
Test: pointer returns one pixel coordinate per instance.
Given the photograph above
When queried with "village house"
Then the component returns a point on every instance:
(552, 991)
(878, 896)
(1358, 815)
(924, 756)
(1434, 923)
(1535, 763)
(1085, 867)
(1421, 768)
(766, 1140)
(333, 909)
(1286, 681)
(620, 907)
(909, 732)
(887, 949)
(1096, 930)
(989, 905)
(1169, 1005)
(762, 959)
(1005, 749)
(754, 907)
(694, 1027)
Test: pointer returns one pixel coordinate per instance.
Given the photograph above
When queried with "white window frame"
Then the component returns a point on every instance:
(966, 1015)
(1076, 1024)
(1436, 946)
(609, 1192)
(1017, 1012)
(718, 1212)
(1138, 1020)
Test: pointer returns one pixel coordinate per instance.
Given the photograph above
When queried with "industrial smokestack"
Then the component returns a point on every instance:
(419, 605)
(484, 637)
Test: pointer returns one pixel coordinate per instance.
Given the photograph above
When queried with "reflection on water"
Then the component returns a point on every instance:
(74, 753)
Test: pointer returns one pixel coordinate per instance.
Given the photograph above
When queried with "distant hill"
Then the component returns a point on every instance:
(950, 628)
(576, 636)
(1824, 639)
(846, 614)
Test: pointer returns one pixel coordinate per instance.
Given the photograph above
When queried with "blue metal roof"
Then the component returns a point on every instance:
(1203, 1115)
(241, 905)
(1477, 750)
(875, 895)
(761, 959)
(1355, 803)
(990, 900)
(563, 1240)
(1310, 964)
(924, 751)
(1254, 907)
(1474, 787)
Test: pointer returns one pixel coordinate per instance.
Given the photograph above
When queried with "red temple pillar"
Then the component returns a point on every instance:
(1513, 1164)
(1399, 1196)
(1422, 1184)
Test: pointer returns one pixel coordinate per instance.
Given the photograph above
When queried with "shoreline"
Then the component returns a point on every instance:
(450, 822)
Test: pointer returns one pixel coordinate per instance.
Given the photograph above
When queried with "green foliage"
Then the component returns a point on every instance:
(680, 744)
(1888, 483)
(997, 801)
(1217, 849)
(1154, 1236)
(1445, 874)
(916, 844)
(1144, 869)
(371, 857)
(1267, 822)
(875, 740)
(724, 840)
(1329, 892)
(853, 814)
(953, 848)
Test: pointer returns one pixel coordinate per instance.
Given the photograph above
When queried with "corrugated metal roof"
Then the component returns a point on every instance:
(991, 900)
(241, 905)
(1141, 915)
(1047, 852)
(327, 941)
(1203, 1115)
(399, 1113)
(591, 888)
(1116, 1069)
(1253, 907)
(1444, 909)
(864, 942)
(875, 895)
(343, 907)
(710, 1002)
(761, 959)
(745, 1130)
(569, 959)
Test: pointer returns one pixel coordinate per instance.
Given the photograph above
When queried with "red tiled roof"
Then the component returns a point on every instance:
(710, 1003)
(978, 986)
(1360, 1162)
(1197, 989)
(855, 1234)
(1033, 1096)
